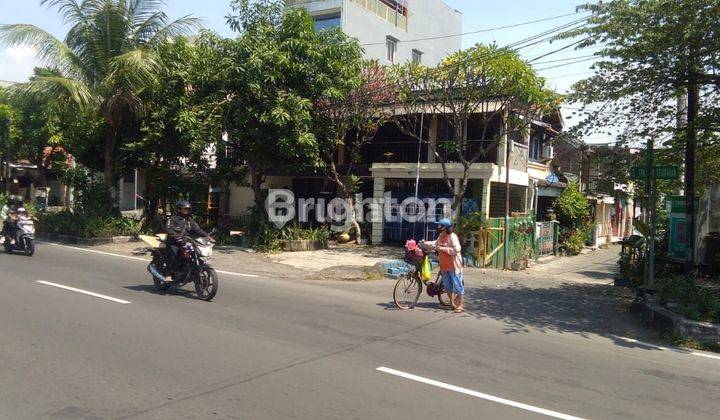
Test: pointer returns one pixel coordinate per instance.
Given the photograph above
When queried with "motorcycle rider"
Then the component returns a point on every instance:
(9, 215)
(179, 226)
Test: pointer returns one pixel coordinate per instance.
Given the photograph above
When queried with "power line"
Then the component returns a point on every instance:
(562, 48)
(568, 64)
(479, 31)
(568, 59)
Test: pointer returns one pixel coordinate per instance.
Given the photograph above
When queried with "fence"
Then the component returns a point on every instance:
(546, 238)
(490, 247)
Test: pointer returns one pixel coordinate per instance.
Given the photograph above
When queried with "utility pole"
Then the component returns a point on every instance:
(652, 204)
(690, 146)
(681, 121)
(506, 236)
(4, 134)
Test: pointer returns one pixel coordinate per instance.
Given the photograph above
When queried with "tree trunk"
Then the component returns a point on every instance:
(109, 171)
(256, 185)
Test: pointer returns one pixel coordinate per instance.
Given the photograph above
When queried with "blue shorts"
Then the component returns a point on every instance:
(453, 282)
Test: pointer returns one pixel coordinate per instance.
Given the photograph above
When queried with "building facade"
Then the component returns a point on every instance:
(392, 31)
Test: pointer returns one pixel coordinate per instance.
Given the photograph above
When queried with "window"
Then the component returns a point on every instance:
(535, 148)
(327, 22)
(391, 44)
(416, 56)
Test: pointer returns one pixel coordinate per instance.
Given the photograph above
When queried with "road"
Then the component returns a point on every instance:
(277, 348)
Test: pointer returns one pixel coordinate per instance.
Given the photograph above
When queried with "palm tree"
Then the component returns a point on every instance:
(107, 57)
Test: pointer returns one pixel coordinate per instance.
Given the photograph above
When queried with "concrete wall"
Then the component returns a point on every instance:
(241, 198)
(426, 18)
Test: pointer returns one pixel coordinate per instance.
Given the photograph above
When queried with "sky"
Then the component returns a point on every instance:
(16, 63)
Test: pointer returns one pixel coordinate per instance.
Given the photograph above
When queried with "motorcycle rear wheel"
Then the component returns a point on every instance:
(206, 284)
(160, 285)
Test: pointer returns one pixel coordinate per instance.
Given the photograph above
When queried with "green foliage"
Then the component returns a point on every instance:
(470, 224)
(264, 84)
(106, 60)
(571, 207)
(689, 299)
(648, 53)
(84, 226)
(572, 241)
(262, 235)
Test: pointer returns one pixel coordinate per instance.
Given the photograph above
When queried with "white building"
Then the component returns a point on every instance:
(392, 31)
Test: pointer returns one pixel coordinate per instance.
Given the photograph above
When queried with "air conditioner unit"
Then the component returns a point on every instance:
(548, 152)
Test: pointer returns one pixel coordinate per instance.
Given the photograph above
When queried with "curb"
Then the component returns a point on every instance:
(664, 320)
(76, 240)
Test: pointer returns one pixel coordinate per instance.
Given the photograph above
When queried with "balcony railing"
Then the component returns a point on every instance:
(384, 11)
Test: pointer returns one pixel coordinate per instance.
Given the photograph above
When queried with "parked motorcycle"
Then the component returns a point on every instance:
(190, 266)
(23, 237)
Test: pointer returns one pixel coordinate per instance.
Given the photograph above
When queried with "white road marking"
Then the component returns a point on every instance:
(674, 350)
(142, 259)
(470, 392)
(85, 292)
(236, 274)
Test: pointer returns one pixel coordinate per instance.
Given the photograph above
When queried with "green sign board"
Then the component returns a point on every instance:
(678, 238)
(659, 172)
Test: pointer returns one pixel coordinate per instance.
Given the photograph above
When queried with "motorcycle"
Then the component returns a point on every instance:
(190, 265)
(23, 237)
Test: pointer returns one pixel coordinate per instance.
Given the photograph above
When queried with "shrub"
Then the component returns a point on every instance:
(79, 224)
(692, 301)
(572, 241)
(571, 207)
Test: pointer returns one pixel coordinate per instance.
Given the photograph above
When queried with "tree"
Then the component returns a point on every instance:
(107, 58)
(489, 86)
(173, 139)
(350, 122)
(651, 53)
(571, 207)
(265, 84)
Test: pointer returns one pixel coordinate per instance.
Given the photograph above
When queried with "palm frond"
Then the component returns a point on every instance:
(142, 10)
(183, 26)
(43, 87)
(71, 11)
(132, 71)
(50, 51)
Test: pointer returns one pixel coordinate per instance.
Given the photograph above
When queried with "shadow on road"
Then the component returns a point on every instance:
(568, 308)
(152, 289)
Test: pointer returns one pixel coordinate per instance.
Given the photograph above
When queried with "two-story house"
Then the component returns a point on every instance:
(392, 31)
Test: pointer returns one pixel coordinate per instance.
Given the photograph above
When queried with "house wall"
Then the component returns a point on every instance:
(241, 198)
(426, 18)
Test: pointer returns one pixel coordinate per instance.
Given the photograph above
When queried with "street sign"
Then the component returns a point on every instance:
(659, 172)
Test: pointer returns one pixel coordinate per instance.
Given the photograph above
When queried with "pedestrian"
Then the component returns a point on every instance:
(449, 252)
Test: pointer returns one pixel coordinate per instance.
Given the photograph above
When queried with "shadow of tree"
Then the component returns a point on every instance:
(569, 308)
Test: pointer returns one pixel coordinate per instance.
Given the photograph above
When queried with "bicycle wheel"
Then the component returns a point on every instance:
(407, 291)
(442, 296)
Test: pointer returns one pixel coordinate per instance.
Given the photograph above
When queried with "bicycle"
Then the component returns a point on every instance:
(409, 286)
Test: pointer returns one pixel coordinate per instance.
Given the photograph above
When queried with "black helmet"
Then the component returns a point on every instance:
(182, 204)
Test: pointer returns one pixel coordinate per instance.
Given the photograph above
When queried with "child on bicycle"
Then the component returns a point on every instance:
(448, 248)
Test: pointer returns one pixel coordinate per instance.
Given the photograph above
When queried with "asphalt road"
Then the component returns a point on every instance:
(277, 348)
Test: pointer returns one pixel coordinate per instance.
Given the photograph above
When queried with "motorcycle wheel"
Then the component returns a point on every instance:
(29, 247)
(206, 284)
(160, 285)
